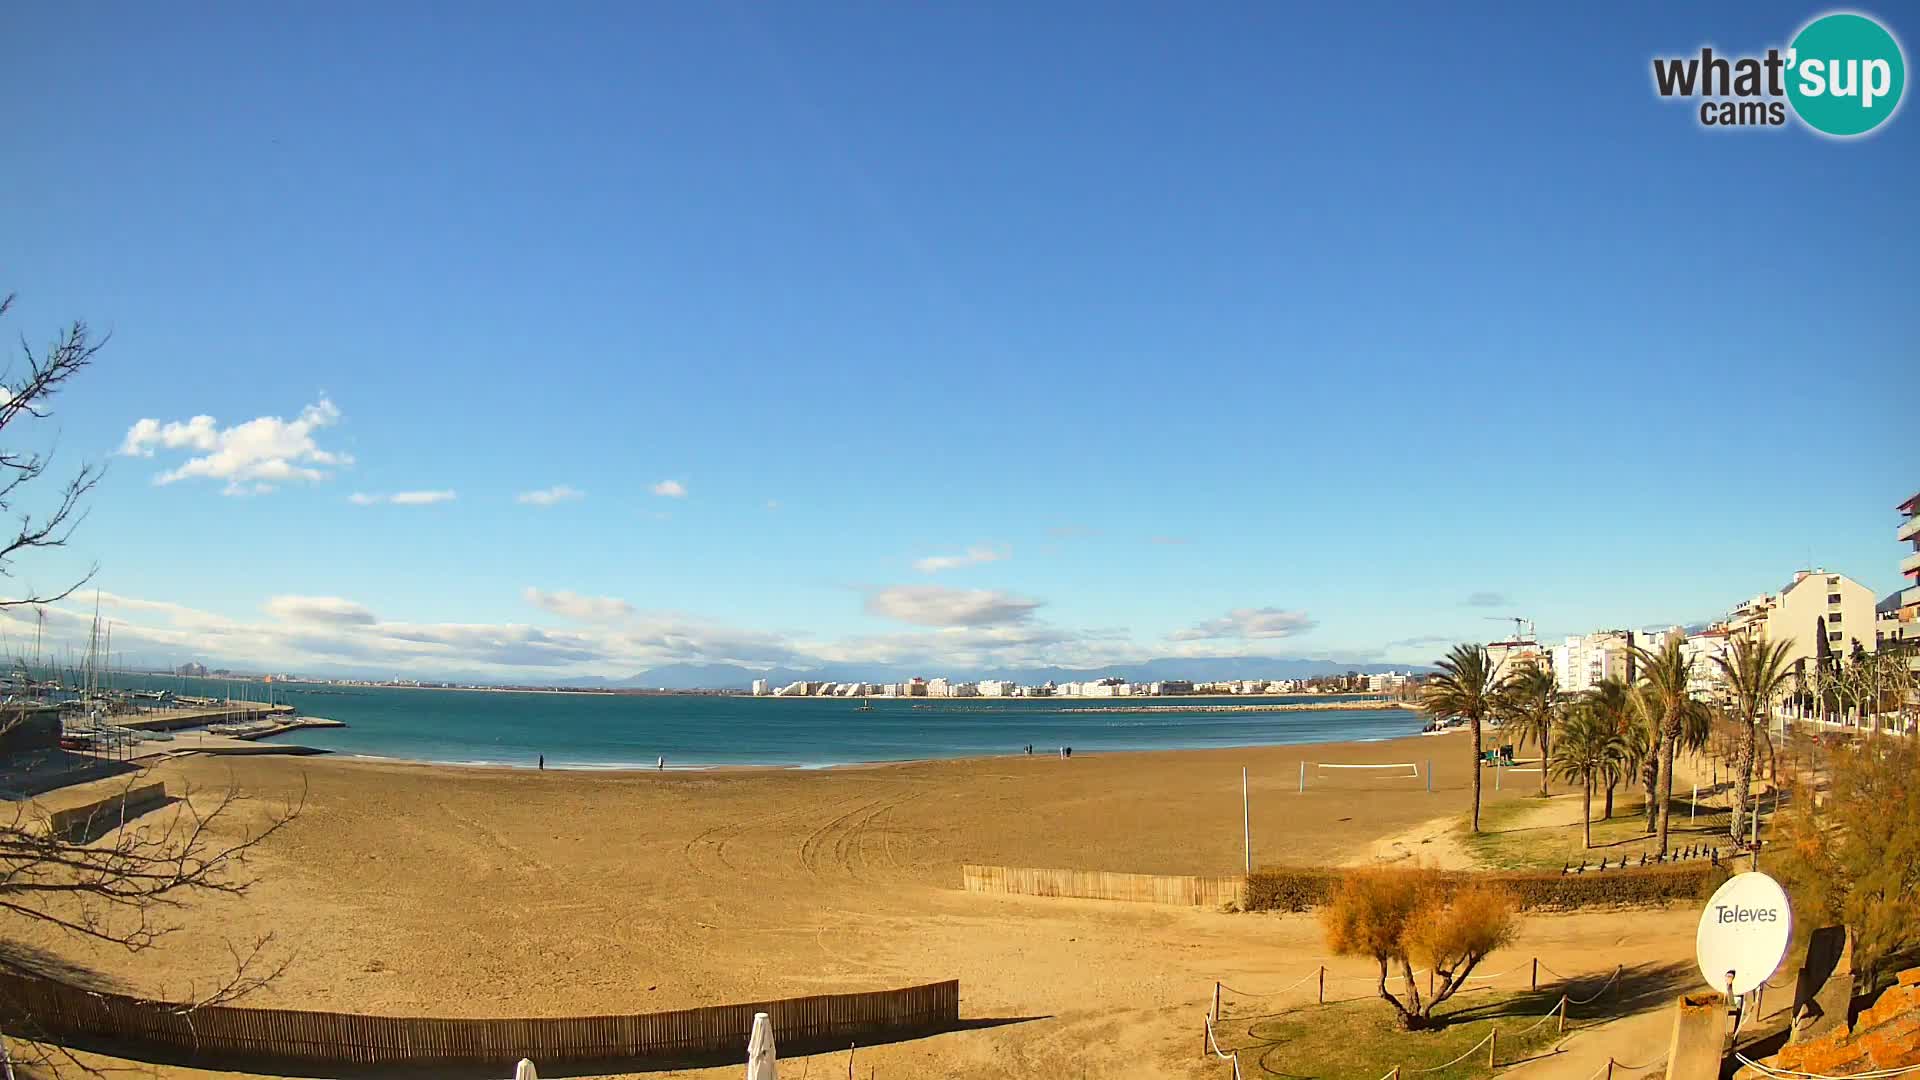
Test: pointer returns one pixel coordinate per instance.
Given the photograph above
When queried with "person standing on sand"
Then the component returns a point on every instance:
(543, 763)
(662, 767)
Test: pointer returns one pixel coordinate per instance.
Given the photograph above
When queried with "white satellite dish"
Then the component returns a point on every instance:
(1743, 933)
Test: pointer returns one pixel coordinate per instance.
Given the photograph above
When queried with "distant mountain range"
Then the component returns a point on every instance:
(1198, 669)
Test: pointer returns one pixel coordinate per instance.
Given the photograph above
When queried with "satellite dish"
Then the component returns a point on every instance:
(1743, 933)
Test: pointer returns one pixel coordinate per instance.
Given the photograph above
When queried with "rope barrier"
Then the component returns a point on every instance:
(1500, 975)
(1603, 988)
(1232, 1057)
(1559, 1008)
(1470, 1052)
(1273, 993)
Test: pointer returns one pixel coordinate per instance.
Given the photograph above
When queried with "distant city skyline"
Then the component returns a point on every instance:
(970, 339)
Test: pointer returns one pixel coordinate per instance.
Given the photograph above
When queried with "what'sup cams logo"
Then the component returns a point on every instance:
(1843, 75)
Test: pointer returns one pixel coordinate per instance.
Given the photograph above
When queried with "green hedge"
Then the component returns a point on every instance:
(1284, 888)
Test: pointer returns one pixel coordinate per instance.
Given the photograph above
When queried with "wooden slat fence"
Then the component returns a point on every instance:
(58, 1012)
(1102, 885)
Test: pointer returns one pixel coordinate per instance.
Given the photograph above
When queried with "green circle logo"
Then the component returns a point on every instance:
(1845, 74)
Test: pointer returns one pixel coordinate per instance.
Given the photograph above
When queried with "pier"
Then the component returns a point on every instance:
(202, 713)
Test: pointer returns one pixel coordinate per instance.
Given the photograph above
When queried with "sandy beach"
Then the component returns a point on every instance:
(431, 890)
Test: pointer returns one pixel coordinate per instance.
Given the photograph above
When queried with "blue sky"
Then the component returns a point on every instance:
(1223, 330)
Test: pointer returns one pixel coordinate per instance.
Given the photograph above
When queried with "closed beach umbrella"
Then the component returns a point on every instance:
(760, 1058)
(524, 1071)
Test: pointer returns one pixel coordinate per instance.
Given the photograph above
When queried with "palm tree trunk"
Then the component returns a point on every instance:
(1476, 774)
(1650, 779)
(1609, 811)
(1545, 753)
(1668, 744)
(1743, 779)
(1586, 813)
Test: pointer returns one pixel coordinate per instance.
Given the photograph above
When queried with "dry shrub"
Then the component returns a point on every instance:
(1406, 916)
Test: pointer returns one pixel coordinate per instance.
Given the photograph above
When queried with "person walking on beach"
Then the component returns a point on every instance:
(663, 763)
(543, 763)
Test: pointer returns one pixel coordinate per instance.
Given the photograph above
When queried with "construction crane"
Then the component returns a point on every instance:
(1522, 626)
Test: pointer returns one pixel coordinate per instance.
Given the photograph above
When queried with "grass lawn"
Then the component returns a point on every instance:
(1362, 1039)
(1506, 842)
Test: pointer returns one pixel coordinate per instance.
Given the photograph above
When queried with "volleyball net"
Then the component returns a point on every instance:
(1360, 775)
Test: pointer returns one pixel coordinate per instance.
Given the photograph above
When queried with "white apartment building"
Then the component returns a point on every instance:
(759, 688)
(995, 688)
(1583, 662)
(938, 688)
(1704, 681)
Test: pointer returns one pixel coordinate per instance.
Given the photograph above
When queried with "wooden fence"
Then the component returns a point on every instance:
(81, 823)
(1101, 885)
(296, 1042)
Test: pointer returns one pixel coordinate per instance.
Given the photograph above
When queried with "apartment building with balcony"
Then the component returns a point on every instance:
(1906, 612)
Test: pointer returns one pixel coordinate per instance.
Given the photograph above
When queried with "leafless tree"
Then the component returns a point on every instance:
(27, 393)
(109, 880)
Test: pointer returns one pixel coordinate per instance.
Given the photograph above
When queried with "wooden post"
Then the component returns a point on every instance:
(1429, 776)
(1429, 984)
(1493, 1048)
(849, 1061)
(1215, 1014)
(1303, 776)
(1246, 826)
(1206, 1038)
(1323, 984)
(1560, 1025)
(1535, 984)
(1609, 1069)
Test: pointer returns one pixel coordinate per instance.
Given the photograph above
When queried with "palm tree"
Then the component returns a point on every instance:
(1467, 686)
(1587, 750)
(1529, 707)
(1640, 751)
(1756, 674)
(1665, 675)
(1612, 702)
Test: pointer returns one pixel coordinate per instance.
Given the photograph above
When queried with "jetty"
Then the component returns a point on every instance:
(202, 712)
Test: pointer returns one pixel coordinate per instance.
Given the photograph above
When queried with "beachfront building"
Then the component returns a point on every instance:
(759, 688)
(1902, 624)
(939, 687)
(1820, 613)
(1505, 656)
(1704, 679)
(1382, 681)
(996, 688)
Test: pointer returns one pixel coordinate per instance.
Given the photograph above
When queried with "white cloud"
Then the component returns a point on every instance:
(558, 493)
(974, 556)
(319, 609)
(1248, 624)
(937, 605)
(957, 630)
(580, 608)
(672, 489)
(251, 457)
(401, 498)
